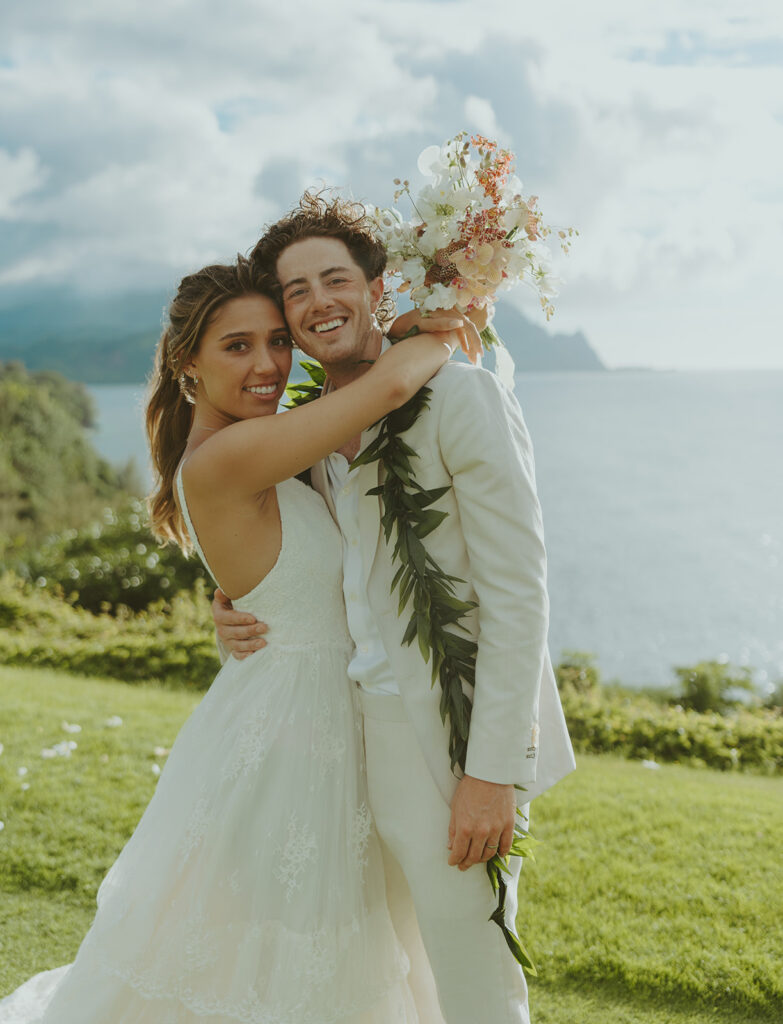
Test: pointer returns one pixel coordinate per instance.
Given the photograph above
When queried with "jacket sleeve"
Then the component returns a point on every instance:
(486, 448)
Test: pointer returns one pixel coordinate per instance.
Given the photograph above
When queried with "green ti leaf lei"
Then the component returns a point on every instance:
(407, 517)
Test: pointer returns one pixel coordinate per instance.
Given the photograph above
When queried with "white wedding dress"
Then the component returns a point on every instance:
(252, 889)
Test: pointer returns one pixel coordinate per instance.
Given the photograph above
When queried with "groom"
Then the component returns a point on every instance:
(433, 826)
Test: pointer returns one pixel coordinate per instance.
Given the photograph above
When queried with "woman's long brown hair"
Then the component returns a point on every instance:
(171, 392)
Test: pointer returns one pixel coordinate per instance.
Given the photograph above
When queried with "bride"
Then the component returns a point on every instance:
(252, 889)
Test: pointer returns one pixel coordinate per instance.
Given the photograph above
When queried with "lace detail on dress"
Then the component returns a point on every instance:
(328, 744)
(317, 959)
(251, 746)
(320, 957)
(199, 949)
(196, 828)
(361, 830)
(300, 850)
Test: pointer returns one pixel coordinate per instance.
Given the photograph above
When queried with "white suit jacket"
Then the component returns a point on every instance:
(473, 437)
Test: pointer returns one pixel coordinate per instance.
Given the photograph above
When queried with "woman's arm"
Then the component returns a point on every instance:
(255, 454)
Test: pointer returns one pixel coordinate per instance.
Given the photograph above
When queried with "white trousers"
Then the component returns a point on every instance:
(468, 975)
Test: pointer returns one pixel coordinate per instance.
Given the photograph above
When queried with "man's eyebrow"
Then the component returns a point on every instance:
(324, 273)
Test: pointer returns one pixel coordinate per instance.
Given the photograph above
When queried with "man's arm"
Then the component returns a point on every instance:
(238, 633)
(486, 449)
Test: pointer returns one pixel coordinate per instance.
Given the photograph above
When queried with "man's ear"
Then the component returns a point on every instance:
(376, 287)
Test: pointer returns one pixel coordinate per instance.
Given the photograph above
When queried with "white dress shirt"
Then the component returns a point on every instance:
(369, 666)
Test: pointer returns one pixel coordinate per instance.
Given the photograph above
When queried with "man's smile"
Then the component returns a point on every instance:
(329, 325)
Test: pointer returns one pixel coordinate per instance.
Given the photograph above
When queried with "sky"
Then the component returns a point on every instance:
(141, 140)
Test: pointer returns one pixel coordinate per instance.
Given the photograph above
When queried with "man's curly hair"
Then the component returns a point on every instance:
(323, 215)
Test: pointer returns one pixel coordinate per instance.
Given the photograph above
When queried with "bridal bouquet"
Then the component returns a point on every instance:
(472, 234)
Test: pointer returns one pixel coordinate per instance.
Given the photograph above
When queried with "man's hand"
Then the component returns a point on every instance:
(482, 821)
(241, 632)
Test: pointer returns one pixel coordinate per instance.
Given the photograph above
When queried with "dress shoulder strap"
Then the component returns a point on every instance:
(189, 523)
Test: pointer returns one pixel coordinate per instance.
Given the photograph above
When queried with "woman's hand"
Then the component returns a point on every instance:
(441, 320)
(410, 363)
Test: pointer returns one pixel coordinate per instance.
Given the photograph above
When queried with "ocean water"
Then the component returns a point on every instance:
(662, 496)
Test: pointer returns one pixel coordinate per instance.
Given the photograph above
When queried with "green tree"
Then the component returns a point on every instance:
(50, 473)
(708, 685)
(577, 671)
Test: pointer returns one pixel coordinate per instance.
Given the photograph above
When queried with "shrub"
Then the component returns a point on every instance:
(113, 561)
(708, 685)
(637, 727)
(577, 671)
(774, 699)
(170, 641)
(173, 641)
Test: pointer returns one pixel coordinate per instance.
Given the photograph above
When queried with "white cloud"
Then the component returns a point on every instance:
(135, 149)
(480, 117)
(20, 174)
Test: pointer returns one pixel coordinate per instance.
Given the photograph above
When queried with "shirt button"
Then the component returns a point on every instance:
(354, 542)
(364, 648)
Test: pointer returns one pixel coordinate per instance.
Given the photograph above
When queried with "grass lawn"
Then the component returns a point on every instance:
(655, 897)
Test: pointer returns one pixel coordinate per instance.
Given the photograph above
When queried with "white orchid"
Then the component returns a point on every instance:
(439, 297)
(413, 271)
(434, 161)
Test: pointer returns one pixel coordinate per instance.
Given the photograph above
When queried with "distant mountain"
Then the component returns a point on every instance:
(534, 349)
(94, 339)
(111, 339)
